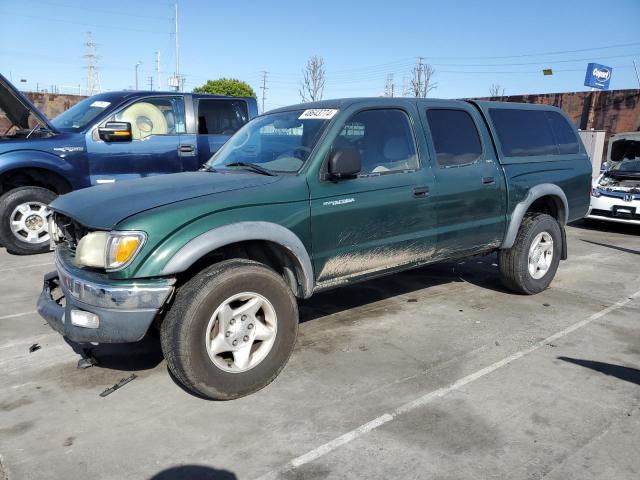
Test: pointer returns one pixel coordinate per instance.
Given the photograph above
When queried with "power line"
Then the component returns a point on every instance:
(111, 27)
(557, 52)
(99, 10)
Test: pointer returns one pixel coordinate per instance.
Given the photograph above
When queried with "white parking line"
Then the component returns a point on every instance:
(441, 392)
(20, 267)
(18, 315)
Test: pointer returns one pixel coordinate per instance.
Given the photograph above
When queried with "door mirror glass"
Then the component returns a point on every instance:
(115, 132)
(344, 163)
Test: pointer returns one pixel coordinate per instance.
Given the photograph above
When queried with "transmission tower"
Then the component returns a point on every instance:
(93, 76)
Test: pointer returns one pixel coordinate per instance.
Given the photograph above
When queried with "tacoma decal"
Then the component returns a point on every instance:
(342, 201)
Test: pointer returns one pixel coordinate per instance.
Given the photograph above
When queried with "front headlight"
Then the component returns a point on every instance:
(109, 250)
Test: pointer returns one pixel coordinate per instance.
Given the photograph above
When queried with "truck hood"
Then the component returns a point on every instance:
(104, 206)
(17, 107)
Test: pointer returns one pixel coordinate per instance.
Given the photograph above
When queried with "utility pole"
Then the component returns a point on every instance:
(158, 81)
(137, 65)
(420, 74)
(93, 79)
(151, 82)
(635, 68)
(264, 88)
(177, 52)
(388, 86)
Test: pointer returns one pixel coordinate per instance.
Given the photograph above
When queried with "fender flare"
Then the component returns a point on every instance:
(219, 237)
(16, 160)
(542, 190)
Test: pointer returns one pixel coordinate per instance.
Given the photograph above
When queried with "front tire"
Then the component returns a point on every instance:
(230, 330)
(24, 216)
(530, 265)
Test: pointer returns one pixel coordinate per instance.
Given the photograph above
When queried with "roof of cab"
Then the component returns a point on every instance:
(126, 94)
(342, 103)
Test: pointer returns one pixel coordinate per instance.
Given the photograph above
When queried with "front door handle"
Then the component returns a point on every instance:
(488, 180)
(421, 192)
(186, 148)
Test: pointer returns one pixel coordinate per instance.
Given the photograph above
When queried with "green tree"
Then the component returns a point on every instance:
(227, 86)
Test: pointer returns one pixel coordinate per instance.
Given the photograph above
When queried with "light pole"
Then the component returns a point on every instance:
(137, 65)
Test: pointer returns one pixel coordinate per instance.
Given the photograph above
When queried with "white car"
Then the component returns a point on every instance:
(615, 194)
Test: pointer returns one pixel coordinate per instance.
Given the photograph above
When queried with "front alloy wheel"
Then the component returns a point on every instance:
(230, 330)
(30, 222)
(24, 220)
(241, 332)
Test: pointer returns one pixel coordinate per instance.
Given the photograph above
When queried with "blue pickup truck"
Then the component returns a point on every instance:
(105, 138)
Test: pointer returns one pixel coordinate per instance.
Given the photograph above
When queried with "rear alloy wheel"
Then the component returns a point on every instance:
(540, 255)
(24, 216)
(530, 265)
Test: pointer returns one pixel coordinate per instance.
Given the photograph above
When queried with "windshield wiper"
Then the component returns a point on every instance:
(253, 167)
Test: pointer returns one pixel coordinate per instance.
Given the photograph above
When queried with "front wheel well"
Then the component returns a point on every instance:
(271, 254)
(34, 177)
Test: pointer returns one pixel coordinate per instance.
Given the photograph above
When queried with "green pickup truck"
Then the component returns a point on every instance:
(303, 199)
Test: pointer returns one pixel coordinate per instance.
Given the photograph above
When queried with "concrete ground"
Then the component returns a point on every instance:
(434, 373)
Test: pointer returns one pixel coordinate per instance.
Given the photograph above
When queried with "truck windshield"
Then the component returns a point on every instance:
(78, 117)
(278, 142)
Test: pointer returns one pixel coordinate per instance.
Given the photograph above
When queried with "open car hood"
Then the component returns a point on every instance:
(17, 107)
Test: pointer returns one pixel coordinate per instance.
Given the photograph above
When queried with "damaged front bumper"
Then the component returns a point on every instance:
(86, 306)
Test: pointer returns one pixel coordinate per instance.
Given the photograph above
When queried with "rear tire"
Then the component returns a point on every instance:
(24, 228)
(217, 308)
(530, 265)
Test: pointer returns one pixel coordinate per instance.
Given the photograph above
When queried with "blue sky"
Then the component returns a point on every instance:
(471, 44)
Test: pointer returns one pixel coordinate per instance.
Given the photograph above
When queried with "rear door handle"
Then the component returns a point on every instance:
(186, 148)
(421, 192)
(488, 180)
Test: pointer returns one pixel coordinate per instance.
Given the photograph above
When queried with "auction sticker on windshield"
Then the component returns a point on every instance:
(318, 114)
(100, 104)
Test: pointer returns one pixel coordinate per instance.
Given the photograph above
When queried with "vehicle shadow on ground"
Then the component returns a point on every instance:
(479, 271)
(614, 247)
(127, 357)
(193, 472)
(627, 374)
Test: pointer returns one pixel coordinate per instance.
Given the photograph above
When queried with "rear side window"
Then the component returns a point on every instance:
(567, 140)
(221, 117)
(455, 137)
(524, 133)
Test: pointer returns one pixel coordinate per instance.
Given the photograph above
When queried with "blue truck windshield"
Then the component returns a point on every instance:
(78, 117)
(279, 142)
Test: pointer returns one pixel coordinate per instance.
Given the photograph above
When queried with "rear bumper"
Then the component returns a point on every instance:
(125, 309)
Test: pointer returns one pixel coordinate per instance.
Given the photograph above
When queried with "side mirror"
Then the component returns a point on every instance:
(115, 132)
(344, 163)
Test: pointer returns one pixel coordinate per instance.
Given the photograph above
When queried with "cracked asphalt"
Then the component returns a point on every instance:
(433, 373)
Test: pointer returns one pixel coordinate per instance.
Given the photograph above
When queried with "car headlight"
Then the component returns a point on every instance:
(109, 250)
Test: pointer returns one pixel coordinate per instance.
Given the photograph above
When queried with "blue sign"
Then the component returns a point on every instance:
(598, 76)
